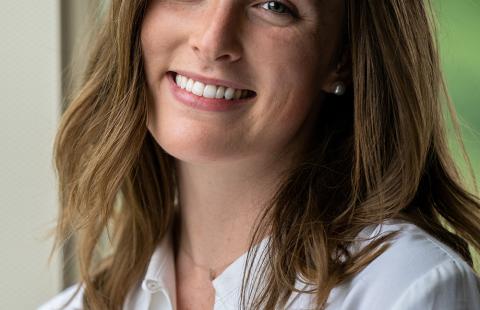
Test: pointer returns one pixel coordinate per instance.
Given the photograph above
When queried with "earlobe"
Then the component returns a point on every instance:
(336, 84)
(339, 80)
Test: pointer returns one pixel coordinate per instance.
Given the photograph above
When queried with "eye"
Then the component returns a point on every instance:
(278, 8)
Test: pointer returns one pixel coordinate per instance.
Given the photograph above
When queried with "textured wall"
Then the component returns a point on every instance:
(29, 101)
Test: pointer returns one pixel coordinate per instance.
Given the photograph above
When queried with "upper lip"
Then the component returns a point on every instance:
(211, 81)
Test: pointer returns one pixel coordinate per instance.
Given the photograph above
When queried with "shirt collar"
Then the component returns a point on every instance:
(229, 283)
(160, 274)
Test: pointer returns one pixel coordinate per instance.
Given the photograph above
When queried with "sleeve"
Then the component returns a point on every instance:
(59, 301)
(448, 286)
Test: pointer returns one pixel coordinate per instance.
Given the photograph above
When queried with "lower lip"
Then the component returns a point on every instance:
(202, 103)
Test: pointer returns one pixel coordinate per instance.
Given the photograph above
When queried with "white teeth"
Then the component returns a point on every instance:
(198, 88)
(189, 85)
(220, 92)
(183, 82)
(229, 93)
(209, 91)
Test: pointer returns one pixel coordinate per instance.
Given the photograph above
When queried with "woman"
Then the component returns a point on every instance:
(265, 155)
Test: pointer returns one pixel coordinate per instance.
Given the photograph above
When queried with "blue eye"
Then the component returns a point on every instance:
(277, 7)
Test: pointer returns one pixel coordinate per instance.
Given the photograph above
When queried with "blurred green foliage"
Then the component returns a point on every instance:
(459, 39)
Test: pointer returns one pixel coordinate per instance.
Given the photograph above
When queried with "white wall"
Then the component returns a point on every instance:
(30, 95)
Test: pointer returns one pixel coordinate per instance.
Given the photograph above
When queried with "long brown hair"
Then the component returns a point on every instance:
(377, 153)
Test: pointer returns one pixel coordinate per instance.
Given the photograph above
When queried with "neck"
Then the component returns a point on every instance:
(221, 200)
(219, 204)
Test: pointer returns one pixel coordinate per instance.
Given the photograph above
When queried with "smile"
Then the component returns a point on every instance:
(208, 97)
(209, 90)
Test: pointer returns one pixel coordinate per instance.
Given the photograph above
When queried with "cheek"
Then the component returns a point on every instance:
(290, 114)
(160, 34)
(292, 74)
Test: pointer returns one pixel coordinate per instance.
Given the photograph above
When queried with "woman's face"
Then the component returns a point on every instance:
(286, 52)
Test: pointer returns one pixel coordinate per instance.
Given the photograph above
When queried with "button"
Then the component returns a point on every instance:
(152, 285)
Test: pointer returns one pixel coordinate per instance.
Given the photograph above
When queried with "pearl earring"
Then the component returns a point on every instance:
(340, 89)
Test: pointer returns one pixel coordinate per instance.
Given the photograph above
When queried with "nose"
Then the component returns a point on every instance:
(215, 38)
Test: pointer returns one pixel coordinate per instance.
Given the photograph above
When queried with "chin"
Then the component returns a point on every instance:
(199, 157)
(195, 151)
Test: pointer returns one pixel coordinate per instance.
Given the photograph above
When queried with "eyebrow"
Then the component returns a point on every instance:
(315, 4)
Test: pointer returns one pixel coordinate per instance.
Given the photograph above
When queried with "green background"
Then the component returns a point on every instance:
(459, 39)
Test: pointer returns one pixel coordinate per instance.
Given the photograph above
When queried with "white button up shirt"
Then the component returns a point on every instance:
(417, 272)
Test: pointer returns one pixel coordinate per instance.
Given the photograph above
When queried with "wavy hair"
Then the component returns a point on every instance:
(379, 152)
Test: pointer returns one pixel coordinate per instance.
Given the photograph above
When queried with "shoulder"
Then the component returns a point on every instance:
(60, 300)
(416, 272)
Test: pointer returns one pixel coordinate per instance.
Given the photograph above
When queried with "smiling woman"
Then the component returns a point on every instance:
(265, 155)
(250, 47)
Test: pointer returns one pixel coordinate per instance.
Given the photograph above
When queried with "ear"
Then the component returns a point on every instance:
(341, 71)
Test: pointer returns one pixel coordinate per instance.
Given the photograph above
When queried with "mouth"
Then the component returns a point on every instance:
(210, 88)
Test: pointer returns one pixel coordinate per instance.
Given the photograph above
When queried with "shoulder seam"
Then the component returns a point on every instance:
(440, 245)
